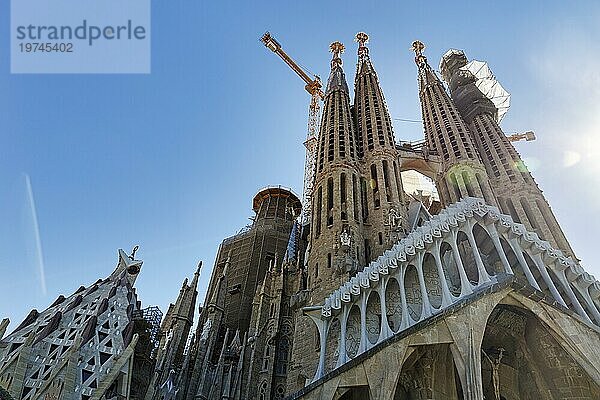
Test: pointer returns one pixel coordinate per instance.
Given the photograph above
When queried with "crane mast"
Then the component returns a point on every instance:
(314, 88)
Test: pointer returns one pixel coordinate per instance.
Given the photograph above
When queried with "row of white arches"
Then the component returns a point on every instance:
(462, 250)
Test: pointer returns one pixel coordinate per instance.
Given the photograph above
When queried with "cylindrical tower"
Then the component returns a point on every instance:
(336, 234)
(336, 230)
(462, 173)
(516, 190)
(383, 205)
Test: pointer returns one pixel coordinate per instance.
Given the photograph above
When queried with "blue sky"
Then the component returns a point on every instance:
(171, 160)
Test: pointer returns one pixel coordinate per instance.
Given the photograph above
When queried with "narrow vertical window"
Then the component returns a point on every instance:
(328, 260)
(380, 237)
(386, 181)
(375, 186)
(355, 200)
(530, 216)
(484, 189)
(319, 211)
(330, 202)
(363, 199)
(343, 195)
(398, 181)
(512, 210)
(454, 184)
(468, 186)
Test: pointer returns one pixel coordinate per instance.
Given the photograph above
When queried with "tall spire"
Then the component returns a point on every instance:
(337, 79)
(426, 74)
(194, 284)
(384, 195)
(334, 202)
(374, 124)
(514, 186)
(445, 130)
(362, 39)
(447, 135)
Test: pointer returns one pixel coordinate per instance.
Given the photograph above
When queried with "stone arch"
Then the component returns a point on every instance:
(468, 184)
(262, 391)
(353, 331)
(279, 392)
(513, 261)
(414, 180)
(453, 182)
(373, 314)
(282, 356)
(432, 281)
(466, 255)
(451, 272)
(526, 359)
(393, 304)
(414, 300)
(487, 250)
(429, 373)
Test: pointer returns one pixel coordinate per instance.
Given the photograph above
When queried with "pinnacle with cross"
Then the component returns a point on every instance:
(337, 48)
(418, 47)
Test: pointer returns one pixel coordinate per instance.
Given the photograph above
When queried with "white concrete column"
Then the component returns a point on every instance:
(516, 247)
(425, 304)
(384, 329)
(491, 229)
(364, 340)
(405, 323)
(544, 272)
(322, 327)
(446, 295)
(583, 291)
(465, 286)
(483, 275)
(574, 300)
(343, 324)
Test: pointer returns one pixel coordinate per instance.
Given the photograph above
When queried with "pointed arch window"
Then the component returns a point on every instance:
(282, 355)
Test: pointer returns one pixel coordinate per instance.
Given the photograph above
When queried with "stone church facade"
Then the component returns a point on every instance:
(381, 296)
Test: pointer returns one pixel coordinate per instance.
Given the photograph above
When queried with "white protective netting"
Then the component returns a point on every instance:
(488, 85)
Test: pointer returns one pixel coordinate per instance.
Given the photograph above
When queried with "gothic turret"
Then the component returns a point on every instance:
(514, 187)
(446, 134)
(175, 332)
(383, 208)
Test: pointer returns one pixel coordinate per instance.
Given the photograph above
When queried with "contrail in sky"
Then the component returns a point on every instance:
(36, 231)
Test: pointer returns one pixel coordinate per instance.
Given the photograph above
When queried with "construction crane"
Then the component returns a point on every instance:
(527, 136)
(314, 88)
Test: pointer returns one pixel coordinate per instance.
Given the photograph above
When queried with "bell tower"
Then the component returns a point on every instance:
(336, 230)
(517, 192)
(383, 206)
(462, 173)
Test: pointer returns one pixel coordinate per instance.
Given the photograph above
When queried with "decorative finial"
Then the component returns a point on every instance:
(135, 249)
(362, 39)
(199, 267)
(418, 47)
(337, 48)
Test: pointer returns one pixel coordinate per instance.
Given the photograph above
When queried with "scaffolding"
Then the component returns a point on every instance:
(153, 316)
